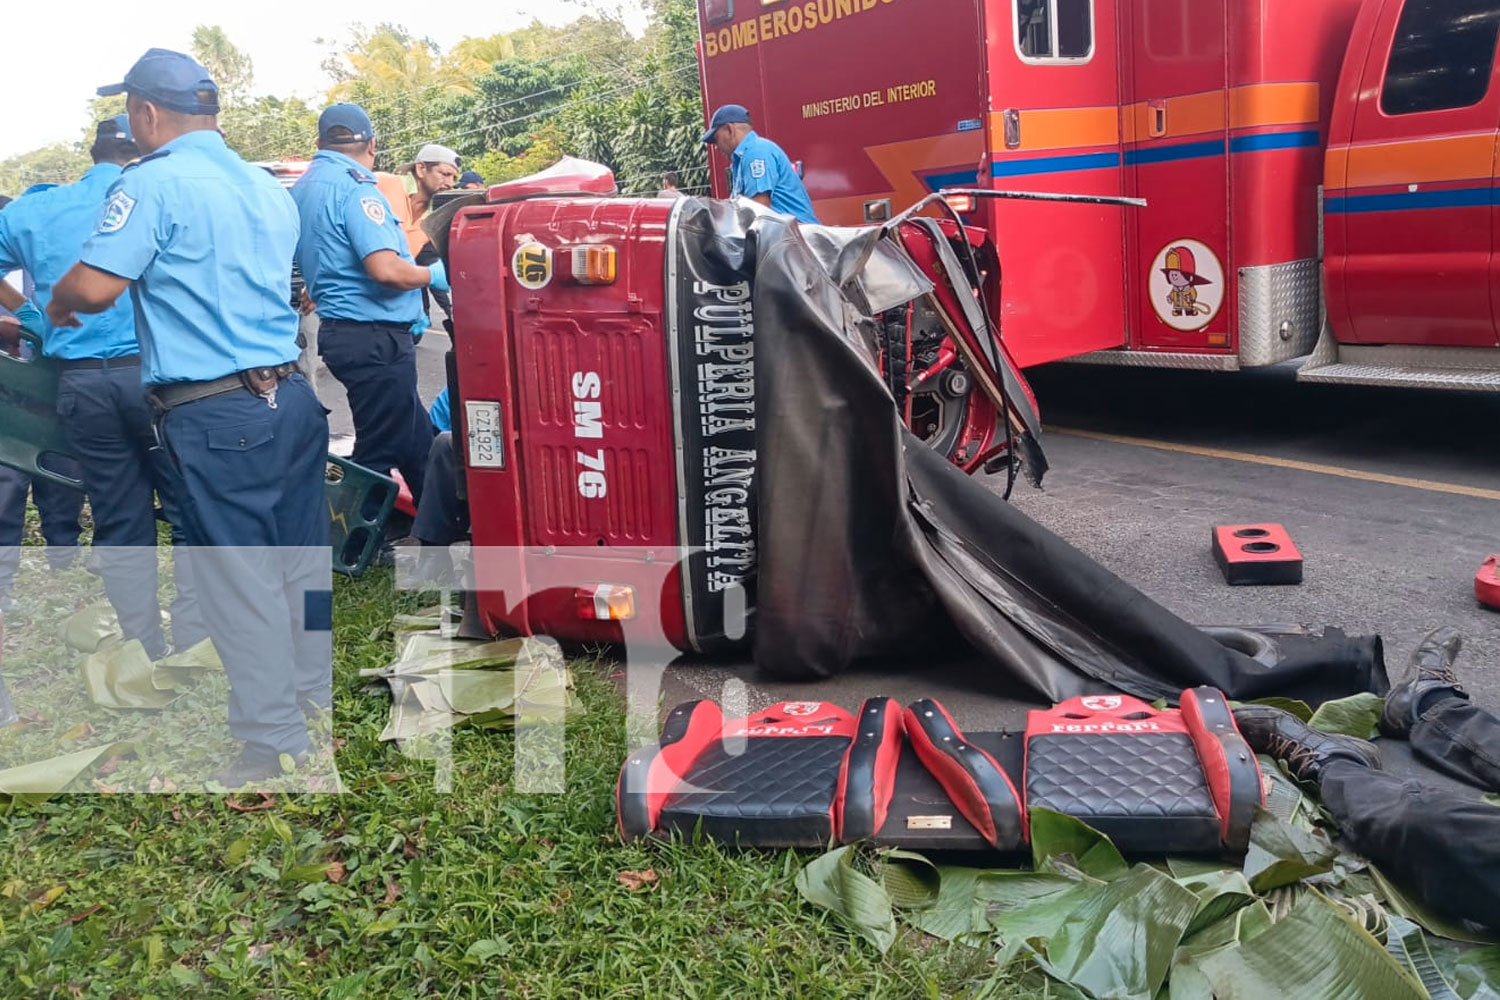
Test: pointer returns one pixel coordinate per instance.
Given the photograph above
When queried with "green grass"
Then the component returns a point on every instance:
(479, 893)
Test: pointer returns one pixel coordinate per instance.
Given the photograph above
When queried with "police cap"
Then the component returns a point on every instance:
(351, 119)
(172, 80)
(114, 129)
(726, 115)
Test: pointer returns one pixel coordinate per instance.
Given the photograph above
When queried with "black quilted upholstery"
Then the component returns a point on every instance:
(778, 792)
(1147, 791)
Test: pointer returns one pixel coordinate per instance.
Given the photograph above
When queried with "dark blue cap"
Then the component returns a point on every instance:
(347, 116)
(469, 177)
(171, 80)
(727, 115)
(117, 128)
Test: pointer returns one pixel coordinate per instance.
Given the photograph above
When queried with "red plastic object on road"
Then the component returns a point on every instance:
(1256, 555)
(1487, 583)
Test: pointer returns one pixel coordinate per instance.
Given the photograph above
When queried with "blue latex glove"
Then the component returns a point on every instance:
(420, 327)
(31, 318)
(439, 280)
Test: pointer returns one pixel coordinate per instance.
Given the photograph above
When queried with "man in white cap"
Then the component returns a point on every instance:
(435, 169)
(410, 195)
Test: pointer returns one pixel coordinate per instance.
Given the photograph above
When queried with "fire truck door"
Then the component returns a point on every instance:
(1417, 206)
(1175, 123)
(1054, 126)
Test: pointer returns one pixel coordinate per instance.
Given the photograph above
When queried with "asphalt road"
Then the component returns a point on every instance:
(1393, 497)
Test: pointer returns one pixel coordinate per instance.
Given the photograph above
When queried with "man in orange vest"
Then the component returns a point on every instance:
(410, 193)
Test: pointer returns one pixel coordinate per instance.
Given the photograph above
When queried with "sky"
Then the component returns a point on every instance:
(55, 58)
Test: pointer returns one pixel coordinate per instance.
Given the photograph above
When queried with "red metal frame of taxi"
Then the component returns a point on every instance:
(545, 349)
(1210, 109)
(538, 539)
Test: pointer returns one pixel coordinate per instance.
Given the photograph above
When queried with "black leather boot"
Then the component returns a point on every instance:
(1431, 673)
(1304, 750)
(255, 766)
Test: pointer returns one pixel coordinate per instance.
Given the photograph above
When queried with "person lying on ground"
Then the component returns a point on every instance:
(1440, 846)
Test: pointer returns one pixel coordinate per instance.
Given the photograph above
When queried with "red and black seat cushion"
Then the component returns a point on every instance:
(778, 778)
(1153, 780)
(809, 773)
(1229, 765)
(978, 786)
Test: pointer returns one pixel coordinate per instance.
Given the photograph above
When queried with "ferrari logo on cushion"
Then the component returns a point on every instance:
(802, 707)
(1102, 703)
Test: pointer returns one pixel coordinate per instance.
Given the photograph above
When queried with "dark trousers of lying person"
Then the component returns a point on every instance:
(1440, 845)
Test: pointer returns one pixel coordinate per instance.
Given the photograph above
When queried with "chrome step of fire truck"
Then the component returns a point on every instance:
(1472, 369)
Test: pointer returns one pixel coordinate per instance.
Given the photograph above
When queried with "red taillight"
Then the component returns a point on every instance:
(605, 603)
(963, 204)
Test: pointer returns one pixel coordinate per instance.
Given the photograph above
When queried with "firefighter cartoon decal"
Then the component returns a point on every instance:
(1187, 285)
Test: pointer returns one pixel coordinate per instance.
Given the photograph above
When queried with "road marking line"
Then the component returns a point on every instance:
(1429, 485)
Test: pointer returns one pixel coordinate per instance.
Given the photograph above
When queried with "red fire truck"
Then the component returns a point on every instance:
(1320, 176)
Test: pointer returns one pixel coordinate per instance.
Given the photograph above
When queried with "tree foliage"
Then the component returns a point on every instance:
(59, 163)
(647, 119)
(269, 128)
(258, 128)
(412, 93)
(510, 103)
(229, 67)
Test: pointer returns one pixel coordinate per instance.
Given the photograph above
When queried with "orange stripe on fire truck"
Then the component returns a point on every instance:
(1256, 106)
(1417, 161)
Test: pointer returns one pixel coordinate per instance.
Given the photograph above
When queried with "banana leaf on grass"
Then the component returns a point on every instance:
(438, 683)
(119, 674)
(37, 781)
(1189, 929)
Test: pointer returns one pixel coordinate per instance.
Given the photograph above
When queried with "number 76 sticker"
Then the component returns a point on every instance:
(532, 266)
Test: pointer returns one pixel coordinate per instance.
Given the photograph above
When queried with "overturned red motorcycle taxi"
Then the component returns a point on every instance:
(606, 364)
(699, 425)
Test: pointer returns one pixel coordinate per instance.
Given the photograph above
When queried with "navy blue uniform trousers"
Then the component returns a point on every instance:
(377, 365)
(1438, 845)
(59, 508)
(443, 518)
(104, 413)
(255, 513)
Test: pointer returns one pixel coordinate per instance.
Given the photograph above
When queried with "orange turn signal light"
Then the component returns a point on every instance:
(594, 265)
(963, 204)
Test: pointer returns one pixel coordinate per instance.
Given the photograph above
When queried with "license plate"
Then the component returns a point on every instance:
(486, 435)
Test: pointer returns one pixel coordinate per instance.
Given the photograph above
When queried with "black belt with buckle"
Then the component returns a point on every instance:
(98, 364)
(257, 381)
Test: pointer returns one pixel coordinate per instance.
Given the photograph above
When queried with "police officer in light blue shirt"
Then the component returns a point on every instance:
(360, 273)
(100, 403)
(59, 507)
(204, 243)
(759, 170)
